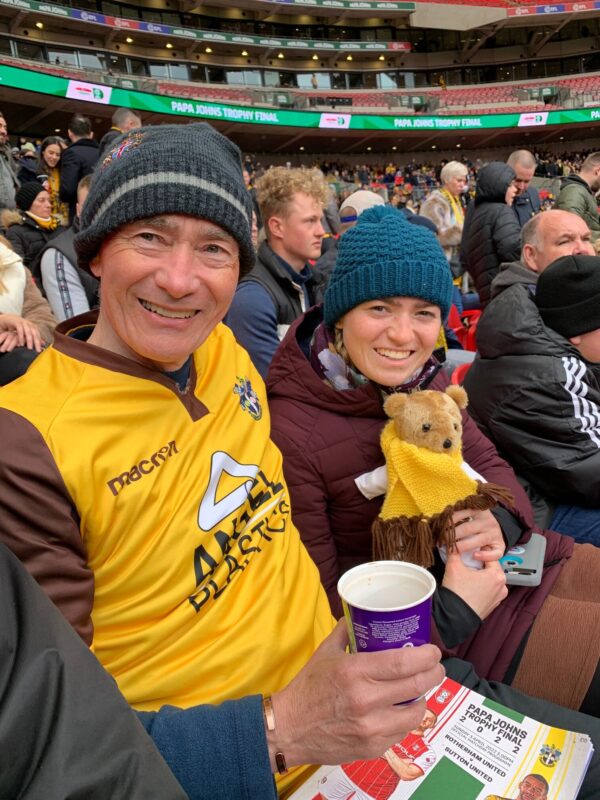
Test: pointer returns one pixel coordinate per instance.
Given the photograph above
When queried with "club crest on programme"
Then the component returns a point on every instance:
(549, 755)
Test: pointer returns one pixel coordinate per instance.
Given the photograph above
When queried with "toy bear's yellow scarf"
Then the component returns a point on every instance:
(423, 492)
(419, 480)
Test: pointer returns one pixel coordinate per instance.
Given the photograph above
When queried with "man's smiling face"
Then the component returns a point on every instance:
(166, 282)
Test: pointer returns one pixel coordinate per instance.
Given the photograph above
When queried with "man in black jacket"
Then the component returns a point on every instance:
(492, 233)
(534, 390)
(78, 160)
(123, 120)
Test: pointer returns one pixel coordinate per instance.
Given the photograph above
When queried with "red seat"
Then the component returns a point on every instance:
(458, 375)
(464, 326)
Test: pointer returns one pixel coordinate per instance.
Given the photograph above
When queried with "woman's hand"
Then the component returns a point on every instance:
(478, 532)
(481, 589)
(16, 331)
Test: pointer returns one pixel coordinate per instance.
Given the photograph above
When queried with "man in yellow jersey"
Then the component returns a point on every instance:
(139, 485)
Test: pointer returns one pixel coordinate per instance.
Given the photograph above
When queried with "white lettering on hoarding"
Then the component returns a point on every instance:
(17, 3)
(63, 12)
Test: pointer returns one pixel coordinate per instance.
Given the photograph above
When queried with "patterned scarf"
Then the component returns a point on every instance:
(341, 375)
(60, 210)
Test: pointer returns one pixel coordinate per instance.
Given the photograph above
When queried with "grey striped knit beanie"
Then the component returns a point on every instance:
(383, 255)
(168, 169)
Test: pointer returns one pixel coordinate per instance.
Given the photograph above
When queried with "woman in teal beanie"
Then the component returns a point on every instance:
(388, 296)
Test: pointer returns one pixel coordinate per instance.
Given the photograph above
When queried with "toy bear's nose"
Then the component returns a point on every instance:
(447, 444)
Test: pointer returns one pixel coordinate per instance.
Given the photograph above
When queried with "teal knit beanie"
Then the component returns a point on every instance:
(383, 255)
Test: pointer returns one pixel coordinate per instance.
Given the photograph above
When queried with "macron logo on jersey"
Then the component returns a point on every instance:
(145, 467)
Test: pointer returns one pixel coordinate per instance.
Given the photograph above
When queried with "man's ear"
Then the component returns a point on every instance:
(575, 340)
(95, 267)
(528, 257)
(274, 228)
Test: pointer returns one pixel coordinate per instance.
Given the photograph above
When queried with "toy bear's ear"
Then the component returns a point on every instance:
(458, 394)
(394, 404)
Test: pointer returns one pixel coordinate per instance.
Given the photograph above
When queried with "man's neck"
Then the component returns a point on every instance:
(587, 178)
(293, 262)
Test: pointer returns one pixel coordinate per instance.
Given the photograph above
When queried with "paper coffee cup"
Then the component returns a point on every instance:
(387, 604)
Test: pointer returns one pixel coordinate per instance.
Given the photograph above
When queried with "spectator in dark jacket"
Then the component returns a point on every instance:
(536, 388)
(578, 194)
(123, 120)
(493, 232)
(78, 160)
(28, 165)
(519, 366)
(31, 227)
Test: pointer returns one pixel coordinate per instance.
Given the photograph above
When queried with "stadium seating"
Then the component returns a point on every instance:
(485, 99)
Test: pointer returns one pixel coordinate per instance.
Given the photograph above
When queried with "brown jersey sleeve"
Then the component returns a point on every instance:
(39, 521)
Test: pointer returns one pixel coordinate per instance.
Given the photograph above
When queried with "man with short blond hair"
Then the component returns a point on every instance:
(280, 286)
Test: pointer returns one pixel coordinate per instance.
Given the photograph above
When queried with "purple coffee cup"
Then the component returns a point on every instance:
(387, 604)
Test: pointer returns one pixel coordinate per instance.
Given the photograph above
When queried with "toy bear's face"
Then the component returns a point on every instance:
(429, 419)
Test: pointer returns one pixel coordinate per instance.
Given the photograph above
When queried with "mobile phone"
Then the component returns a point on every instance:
(524, 563)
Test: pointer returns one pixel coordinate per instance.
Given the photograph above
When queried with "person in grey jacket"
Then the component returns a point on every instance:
(8, 169)
(533, 389)
(493, 233)
(527, 200)
(578, 194)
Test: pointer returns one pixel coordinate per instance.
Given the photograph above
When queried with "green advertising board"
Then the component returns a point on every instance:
(42, 83)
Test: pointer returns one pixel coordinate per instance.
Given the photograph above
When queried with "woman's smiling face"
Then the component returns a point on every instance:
(390, 339)
(51, 155)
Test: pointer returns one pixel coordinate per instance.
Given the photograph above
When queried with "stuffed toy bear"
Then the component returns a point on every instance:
(422, 445)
